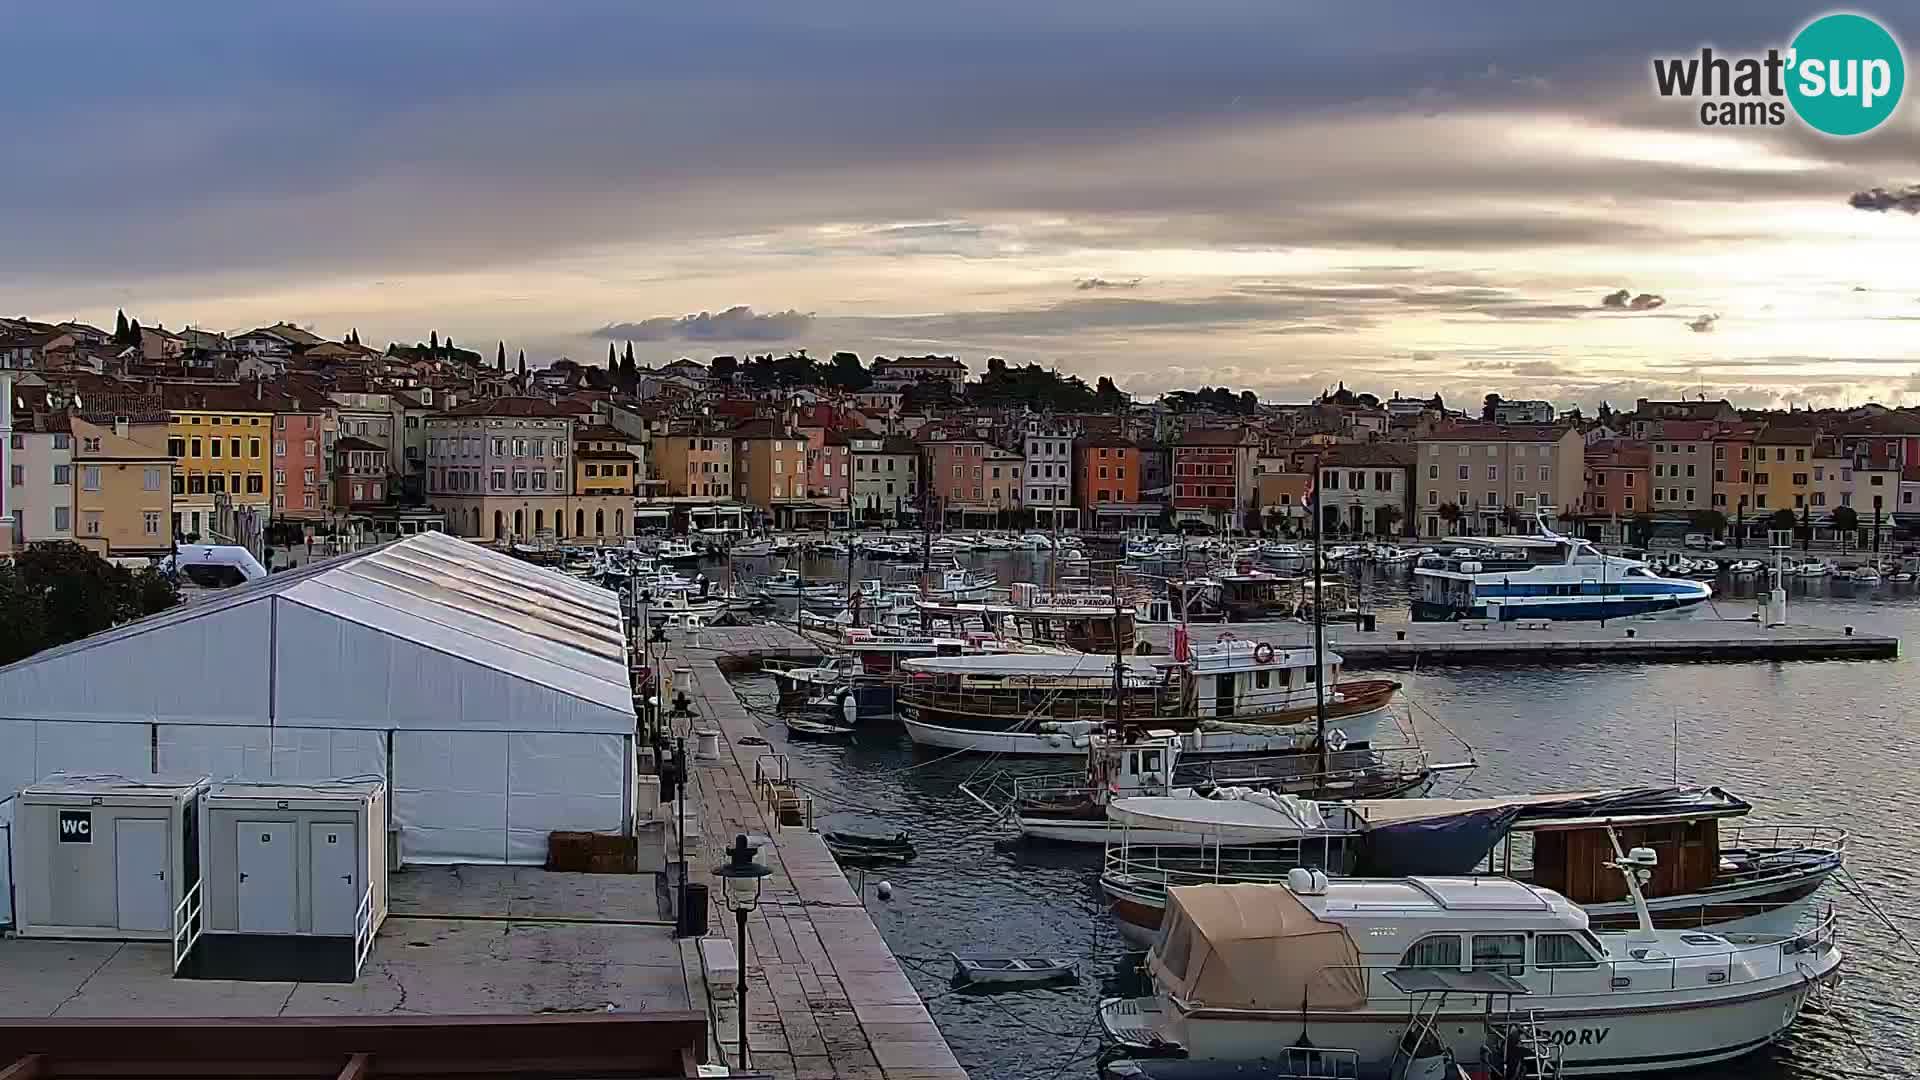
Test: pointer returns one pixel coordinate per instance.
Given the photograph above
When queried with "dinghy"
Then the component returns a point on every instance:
(1009, 971)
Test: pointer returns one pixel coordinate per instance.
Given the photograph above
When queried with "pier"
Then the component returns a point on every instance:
(826, 997)
(1532, 642)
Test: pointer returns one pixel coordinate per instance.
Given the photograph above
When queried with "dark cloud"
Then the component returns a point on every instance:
(1703, 324)
(1880, 200)
(739, 323)
(1628, 301)
(1085, 284)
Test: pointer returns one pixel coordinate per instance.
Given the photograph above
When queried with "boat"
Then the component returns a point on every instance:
(886, 549)
(1746, 567)
(951, 582)
(829, 549)
(752, 549)
(675, 551)
(1716, 870)
(1077, 621)
(1010, 971)
(1240, 970)
(803, 727)
(1074, 808)
(1236, 696)
(783, 545)
(864, 848)
(787, 584)
(1812, 568)
(1547, 576)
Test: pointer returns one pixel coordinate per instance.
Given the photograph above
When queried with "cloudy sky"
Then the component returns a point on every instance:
(1407, 196)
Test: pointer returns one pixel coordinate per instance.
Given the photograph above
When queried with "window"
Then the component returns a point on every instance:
(1493, 472)
(280, 478)
(499, 479)
(61, 442)
(1433, 498)
(152, 480)
(153, 522)
(179, 484)
(196, 484)
(177, 447)
(1561, 951)
(234, 446)
(62, 519)
(253, 447)
(213, 447)
(1433, 951)
(308, 477)
(1629, 501)
(216, 483)
(61, 474)
(1500, 952)
(1629, 479)
(1876, 481)
(1433, 472)
(255, 484)
(1760, 478)
(90, 478)
(1465, 473)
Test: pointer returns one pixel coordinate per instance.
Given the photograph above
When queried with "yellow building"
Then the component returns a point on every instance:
(1783, 468)
(604, 462)
(695, 464)
(220, 438)
(123, 486)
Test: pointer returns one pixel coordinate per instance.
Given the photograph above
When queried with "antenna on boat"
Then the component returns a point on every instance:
(1637, 867)
(1319, 631)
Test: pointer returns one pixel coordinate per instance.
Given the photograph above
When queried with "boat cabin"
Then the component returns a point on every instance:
(1571, 857)
(1237, 678)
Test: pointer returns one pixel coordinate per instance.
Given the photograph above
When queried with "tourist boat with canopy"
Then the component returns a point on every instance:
(1715, 869)
(1239, 696)
(1241, 971)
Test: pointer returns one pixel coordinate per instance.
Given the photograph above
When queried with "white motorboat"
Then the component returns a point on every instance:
(788, 585)
(675, 551)
(1036, 541)
(1010, 971)
(1746, 567)
(883, 548)
(752, 549)
(829, 549)
(1242, 969)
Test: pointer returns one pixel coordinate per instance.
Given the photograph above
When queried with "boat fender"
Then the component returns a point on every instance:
(884, 890)
(1263, 653)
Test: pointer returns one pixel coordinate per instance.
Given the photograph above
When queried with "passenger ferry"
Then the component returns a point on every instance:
(1548, 576)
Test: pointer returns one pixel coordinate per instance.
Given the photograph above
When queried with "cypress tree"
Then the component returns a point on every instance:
(133, 332)
(500, 358)
(433, 342)
(523, 363)
(120, 326)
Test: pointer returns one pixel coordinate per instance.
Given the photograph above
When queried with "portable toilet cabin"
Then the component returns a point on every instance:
(294, 879)
(110, 857)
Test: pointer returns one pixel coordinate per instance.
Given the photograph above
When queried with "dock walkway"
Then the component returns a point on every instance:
(1639, 640)
(826, 997)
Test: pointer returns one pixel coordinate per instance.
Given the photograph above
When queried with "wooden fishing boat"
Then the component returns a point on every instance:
(859, 847)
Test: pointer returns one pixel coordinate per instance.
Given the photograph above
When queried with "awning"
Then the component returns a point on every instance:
(1254, 947)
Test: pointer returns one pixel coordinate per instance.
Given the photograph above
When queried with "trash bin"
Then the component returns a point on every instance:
(691, 920)
(1367, 621)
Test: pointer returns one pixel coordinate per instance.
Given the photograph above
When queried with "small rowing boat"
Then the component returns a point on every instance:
(858, 847)
(1010, 971)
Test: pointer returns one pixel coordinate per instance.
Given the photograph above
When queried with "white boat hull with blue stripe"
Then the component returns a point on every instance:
(1545, 576)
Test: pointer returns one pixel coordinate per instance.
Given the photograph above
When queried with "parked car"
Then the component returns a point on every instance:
(1703, 542)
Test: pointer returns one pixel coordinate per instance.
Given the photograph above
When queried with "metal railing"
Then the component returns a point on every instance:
(1743, 960)
(363, 929)
(1775, 849)
(1152, 869)
(186, 926)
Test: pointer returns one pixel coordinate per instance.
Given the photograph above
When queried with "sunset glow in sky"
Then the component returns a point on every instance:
(1406, 196)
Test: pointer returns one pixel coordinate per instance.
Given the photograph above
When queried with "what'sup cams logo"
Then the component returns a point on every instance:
(1842, 75)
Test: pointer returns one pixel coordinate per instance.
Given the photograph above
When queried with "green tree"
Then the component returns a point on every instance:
(523, 362)
(846, 372)
(1711, 522)
(58, 591)
(613, 361)
(133, 332)
(1450, 513)
(1390, 517)
(1489, 408)
(1845, 521)
(500, 357)
(724, 368)
(120, 327)
(1511, 518)
(433, 342)
(1781, 520)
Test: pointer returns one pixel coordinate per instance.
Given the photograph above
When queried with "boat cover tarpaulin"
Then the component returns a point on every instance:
(1435, 846)
(1431, 837)
(1254, 947)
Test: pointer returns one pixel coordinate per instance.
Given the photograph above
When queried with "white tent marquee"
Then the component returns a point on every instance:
(491, 695)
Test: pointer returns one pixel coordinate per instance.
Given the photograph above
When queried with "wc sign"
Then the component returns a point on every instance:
(76, 826)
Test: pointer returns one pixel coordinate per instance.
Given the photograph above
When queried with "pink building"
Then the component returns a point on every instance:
(299, 466)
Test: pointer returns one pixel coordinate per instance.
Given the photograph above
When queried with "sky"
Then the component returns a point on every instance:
(1409, 197)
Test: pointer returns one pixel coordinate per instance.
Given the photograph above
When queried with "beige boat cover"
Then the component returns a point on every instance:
(1254, 947)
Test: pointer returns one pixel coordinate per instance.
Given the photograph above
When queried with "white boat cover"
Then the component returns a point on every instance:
(1254, 947)
(1247, 815)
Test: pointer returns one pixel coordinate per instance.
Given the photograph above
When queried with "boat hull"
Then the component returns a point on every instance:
(1596, 1037)
(1358, 728)
(1566, 610)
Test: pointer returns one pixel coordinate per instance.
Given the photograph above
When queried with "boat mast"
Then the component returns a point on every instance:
(1319, 633)
(1119, 654)
(853, 606)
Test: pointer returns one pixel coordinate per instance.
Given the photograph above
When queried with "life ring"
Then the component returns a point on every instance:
(1336, 740)
(1263, 653)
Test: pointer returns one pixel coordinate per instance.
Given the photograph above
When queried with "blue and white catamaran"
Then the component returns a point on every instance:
(1545, 576)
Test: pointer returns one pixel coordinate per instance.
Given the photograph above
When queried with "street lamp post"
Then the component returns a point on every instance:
(742, 876)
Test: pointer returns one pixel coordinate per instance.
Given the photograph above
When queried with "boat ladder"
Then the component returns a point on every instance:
(1516, 1048)
(1421, 1039)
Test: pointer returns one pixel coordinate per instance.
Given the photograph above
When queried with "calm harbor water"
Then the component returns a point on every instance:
(1814, 742)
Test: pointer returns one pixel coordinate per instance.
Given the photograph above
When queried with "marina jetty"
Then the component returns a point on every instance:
(1524, 641)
